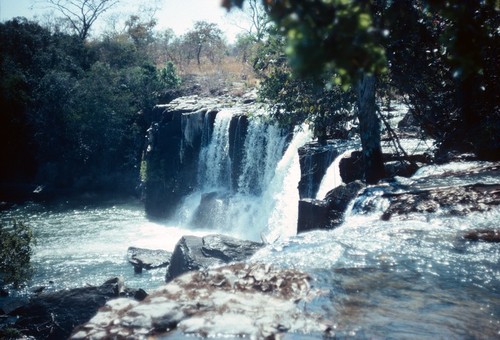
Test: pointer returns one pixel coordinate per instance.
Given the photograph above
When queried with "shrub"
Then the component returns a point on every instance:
(16, 240)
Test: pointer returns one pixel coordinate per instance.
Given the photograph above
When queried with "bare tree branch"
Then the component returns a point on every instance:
(81, 14)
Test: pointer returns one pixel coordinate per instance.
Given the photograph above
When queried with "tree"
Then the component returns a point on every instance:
(205, 37)
(81, 14)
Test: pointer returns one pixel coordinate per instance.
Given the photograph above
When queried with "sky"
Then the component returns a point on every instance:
(176, 14)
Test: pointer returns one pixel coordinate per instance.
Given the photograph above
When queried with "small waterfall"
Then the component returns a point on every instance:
(215, 163)
(282, 196)
(332, 178)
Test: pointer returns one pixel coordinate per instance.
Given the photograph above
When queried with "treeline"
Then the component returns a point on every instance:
(74, 113)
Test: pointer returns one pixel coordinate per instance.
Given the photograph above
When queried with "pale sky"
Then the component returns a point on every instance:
(176, 14)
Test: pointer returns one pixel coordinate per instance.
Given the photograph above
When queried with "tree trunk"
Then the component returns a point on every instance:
(369, 130)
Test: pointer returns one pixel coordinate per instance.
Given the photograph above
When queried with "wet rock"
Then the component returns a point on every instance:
(210, 213)
(239, 300)
(313, 214)
(147, 259)
(194, 253)
(487, 235)
(448, 200)
(327, 213)
(54, 315)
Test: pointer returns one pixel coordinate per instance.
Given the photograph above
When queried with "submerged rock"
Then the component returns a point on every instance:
(193, 253)
(54, 315)
(487, 235)
(239, 300)
(147, 259)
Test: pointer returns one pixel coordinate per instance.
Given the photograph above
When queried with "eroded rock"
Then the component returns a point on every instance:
(238, 300)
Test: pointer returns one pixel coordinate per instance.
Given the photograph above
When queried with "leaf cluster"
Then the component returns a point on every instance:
(16, 241)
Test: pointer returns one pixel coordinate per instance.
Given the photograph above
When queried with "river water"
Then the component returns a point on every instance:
(411, 277)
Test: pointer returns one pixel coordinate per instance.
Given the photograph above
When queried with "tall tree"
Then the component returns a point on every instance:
(204, 37)
(81, 14)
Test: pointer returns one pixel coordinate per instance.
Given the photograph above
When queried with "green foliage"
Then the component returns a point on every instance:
(169, 77)
(16, 241)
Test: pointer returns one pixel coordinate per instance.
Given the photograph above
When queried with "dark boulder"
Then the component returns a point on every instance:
(486, 235)
(327, 213)
(54, 315)
(194, 253)
(351, 168)
(210, 213)
(148, 258)
(313, 214)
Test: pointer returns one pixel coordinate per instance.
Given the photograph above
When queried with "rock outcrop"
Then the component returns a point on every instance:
(55, 315)
(194, 253)
(238, 300)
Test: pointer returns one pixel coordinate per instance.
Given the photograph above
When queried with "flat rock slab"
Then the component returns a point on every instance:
(194, 253)
(238, 300)
(142, 258)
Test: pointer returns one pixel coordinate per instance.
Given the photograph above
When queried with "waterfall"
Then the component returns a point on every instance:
(282, 195)
(332, 178)
(262, 203)
(215, 164)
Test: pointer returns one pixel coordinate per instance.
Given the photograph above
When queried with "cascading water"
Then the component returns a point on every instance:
(332, 178)
(263, 203)
(215, 164)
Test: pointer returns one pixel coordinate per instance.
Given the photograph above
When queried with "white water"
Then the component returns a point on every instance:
(264, 204)
(215, 164)
(332, 178)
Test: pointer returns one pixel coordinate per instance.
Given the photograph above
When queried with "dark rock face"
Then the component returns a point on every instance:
(194, 253)
(173, 143)
(148, 258)
(239, 300)
(327, 213)
(55, 315)
(314, 161)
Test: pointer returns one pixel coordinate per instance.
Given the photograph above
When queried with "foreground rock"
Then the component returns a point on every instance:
(148, 259)
(239, 300)
(55, 315)
(194, 253)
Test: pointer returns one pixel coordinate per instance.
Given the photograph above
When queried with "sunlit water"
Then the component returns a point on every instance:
(79, 245)
(414, 276)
